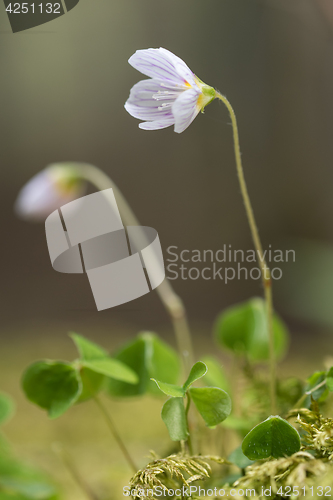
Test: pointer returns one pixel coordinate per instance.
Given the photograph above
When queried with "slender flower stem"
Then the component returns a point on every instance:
(265, 272)
(170, 300)
(72, 469)
(115, 433)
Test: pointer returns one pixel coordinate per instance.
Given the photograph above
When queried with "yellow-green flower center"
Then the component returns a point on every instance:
(65, 179)
(207, 95)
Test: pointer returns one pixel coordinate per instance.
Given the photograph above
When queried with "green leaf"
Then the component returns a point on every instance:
(198, 370)
(213, 404)
(150, 358)
(173, 415)
(88, 350)
(172, 390)
(329, 379)
(162, 361)
(320, 394)
(238, 458)
(134, 355)
(215, 376)
(243, 329)
(6, 408)
(92, 380)
(274, 437)
(112, 368)
(52, 385)
(92, 383)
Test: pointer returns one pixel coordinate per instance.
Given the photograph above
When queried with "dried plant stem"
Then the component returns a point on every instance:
(170, 300)
(115, 433)
(265, 272)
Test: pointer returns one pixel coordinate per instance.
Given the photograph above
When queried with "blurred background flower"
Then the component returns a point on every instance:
(48, 190)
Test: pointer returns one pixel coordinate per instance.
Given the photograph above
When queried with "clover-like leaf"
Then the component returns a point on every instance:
(96, 364)
(92, 383)
(198, 370)
(112, 368)
(163, 362)
(150, 358)
(52, 385)
(6, 408)
(88, 350)
(215, 376)
(329, 379)
(175, 391)
(213, 404)
(274, 437)
(173, 415)
(243, 329)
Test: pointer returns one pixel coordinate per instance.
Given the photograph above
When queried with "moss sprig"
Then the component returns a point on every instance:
(172, 472)
(318, 432)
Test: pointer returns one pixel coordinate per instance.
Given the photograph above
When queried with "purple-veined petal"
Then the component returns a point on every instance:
(157, 64)
(158, 124)
(151, 100)
(185, 109)
(180, 66)
(142, 113)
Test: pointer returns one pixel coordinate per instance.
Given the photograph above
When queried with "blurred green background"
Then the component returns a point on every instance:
(63, 88)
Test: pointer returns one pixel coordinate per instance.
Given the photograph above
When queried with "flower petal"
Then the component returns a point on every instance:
(158, 64)
(180, 66)
(142, 113)
(158, 124)
(185, 109)
(143, 105)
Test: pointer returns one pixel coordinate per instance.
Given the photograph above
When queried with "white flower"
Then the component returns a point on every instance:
(173, 95)
(48, 190)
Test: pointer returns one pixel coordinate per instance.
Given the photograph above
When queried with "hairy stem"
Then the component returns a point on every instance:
(265, 272)
(169, 298)
(115, 433)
